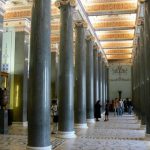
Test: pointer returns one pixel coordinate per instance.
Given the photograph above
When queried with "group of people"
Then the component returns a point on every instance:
(122, 105)
(119, 106)
(97, 113)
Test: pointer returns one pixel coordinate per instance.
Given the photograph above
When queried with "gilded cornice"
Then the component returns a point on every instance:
(19, 25)
(60, 3)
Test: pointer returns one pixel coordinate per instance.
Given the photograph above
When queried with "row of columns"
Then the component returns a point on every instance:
(141, 71)
(78, 89)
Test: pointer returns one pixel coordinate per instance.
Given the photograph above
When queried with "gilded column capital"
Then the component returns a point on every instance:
(95, 46)
(80, 23)
(60, 3)
(99, 54)
(90, 38)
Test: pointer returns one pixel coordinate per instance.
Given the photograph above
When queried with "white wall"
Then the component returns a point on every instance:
(119, 80)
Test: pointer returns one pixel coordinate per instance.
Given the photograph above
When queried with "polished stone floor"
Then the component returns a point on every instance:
(119, 133)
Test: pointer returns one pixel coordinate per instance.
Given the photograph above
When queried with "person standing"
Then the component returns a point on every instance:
(97, 110)
(106, 111)
(54, 109)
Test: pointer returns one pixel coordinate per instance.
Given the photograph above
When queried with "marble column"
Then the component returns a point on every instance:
(142, 77)
(54, 72)
(106, 83)
(39, 78)
(138, 83)
(66, 71)
(133, 82)
(100, 76)
(107, 71)
(80, 75)
(103, 85)
(89, 80)
(147, 62)
(96, 74)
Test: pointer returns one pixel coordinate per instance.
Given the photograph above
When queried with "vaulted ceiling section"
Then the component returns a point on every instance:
(113, 22)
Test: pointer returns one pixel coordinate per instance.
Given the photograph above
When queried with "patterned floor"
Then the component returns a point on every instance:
(119, 133)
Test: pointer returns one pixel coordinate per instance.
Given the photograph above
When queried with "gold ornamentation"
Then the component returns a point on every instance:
(80, 23)
(90, 37)
(95, 47)
(116, 36)
(117, 6)
(108, 24)
(60, 3)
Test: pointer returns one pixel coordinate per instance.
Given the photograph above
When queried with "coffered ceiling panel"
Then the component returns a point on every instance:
(111, 8)
(116, 57)
(118, 51)
(117, 44)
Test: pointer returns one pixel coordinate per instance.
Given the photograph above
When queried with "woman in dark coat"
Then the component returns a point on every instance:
(97, 110)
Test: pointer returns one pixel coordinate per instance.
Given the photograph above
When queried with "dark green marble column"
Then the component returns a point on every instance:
(66, 71)
(136, 84)
(103, 85)
(142, 76)
(54, 72)
(39, 78)
(80, 75)
(147, 62)
(100, 76)
(107, 72)
(89, 80)
(133, 83)
(96, 73)
(138, 81)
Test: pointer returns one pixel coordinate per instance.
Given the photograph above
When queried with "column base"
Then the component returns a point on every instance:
(147, 129)
(147, 135)
(90, 120)
(81, 126)
(25, 124)
(39, 148)
(66, 135)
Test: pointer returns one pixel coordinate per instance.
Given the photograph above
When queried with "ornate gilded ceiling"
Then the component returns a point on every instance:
(112, 22)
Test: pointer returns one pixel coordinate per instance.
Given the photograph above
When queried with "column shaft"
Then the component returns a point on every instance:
(96, 87)
(54, 75)
(89, 81)
(100, 77)
(80, 78)
(103, 85)
(39, 78)
(147, 62)
(142, 76)
(66, 73)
